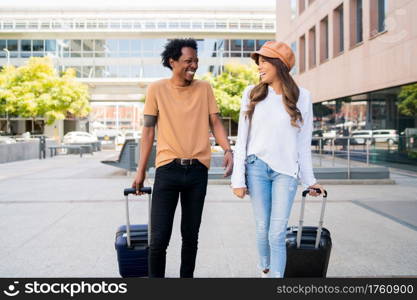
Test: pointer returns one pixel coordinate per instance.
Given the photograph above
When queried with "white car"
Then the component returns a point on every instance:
(360, 136)
(79, 137)
(389, 136)
(132, 135)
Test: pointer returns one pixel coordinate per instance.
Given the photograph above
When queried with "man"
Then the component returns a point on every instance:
(184, 110)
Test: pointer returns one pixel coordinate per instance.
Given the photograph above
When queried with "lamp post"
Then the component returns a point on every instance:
(7, 55)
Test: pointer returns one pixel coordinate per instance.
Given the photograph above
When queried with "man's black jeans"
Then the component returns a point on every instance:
(172, 180)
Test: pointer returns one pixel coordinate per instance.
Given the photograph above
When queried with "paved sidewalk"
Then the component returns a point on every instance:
(58, 219)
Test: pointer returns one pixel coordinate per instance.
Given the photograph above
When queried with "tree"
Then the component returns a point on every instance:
(228, 87)
(36, 90)
(8, 101)
(408, 100)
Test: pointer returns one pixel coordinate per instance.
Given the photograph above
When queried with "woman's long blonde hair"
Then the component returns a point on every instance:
(290, 92)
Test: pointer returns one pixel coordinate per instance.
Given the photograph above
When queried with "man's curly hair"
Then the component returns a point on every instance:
(173, 50)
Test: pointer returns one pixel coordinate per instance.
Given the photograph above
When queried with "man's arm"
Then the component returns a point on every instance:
(146, 143)
(220, 135)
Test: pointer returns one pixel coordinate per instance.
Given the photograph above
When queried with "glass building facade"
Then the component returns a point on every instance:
(132, 57)
(375, 114)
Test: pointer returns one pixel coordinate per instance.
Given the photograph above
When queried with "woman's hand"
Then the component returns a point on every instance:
(313, 191)
(240, 192)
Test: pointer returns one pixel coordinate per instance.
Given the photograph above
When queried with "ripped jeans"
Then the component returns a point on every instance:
(272, 195)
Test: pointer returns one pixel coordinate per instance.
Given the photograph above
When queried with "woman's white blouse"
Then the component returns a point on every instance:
(272, 138)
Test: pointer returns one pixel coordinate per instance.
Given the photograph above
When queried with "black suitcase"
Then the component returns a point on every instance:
(308, 247)
(132, 243)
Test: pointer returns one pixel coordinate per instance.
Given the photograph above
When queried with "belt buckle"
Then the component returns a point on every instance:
(182, 161)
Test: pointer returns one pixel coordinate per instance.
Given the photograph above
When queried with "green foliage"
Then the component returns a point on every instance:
(36, 90)
(228, 87)
(412, 154)
(408, 100)
(7, 98)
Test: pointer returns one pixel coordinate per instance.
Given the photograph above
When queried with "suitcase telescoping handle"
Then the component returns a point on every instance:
(300, 225)
(126, 192)
(147, 190)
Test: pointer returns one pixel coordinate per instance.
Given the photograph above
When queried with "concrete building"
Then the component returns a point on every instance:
(355, 56)
(115, 49)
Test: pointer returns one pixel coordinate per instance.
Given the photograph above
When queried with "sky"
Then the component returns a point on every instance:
(136, 3)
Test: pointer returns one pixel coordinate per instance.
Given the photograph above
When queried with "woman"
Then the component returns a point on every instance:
(273, 150)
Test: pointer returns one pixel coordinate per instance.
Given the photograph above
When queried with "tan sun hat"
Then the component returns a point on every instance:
(274, 49)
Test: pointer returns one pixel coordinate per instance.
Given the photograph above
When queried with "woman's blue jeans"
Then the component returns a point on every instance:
(272, 195)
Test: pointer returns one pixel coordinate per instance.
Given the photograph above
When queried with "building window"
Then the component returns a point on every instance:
(310, 2)
(302, 56)
(37, 47)
(338, 30)
(75, 48)
(382, 12)
(378, 11)
(301, 6)
(294, 49)
(124, 48)
(312, 47)
(26, 47)
(324, 39)
(11, 45)
(293, 9)
(248, 47)
(3, 45)
(50, 46)
(259, 44)
(236, 48)
(356, 24)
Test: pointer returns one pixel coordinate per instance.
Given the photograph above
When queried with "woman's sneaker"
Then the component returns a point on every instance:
(264, 275)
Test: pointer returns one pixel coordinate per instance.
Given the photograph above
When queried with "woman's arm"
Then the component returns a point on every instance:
(304, 144)
(238, 176)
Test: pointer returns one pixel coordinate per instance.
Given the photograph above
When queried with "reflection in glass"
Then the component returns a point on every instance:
(50, 45)
(37, 45)
(88, 45)
(75, 45)
(26, 45)
(248, 45)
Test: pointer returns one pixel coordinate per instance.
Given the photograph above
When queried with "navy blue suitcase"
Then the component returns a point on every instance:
(132, 243)
(308, 247)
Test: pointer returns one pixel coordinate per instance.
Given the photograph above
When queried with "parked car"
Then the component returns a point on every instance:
(389, 136)
(360, 136)
(317, 134)
(79, 137)
(109, 138)
(132, 134)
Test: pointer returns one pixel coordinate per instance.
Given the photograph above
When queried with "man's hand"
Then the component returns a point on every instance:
(138, 182)
(240, 192)
(228, 163)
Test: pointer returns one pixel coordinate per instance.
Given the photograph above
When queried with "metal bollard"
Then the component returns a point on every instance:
(321, 152)
(348, 157)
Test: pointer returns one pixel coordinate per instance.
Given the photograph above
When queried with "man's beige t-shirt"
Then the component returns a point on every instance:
(183, 120)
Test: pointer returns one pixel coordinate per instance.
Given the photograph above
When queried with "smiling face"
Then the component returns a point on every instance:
(185, 67)
(267, 71)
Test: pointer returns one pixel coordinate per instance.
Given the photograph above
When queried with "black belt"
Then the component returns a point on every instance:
(186, 162)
